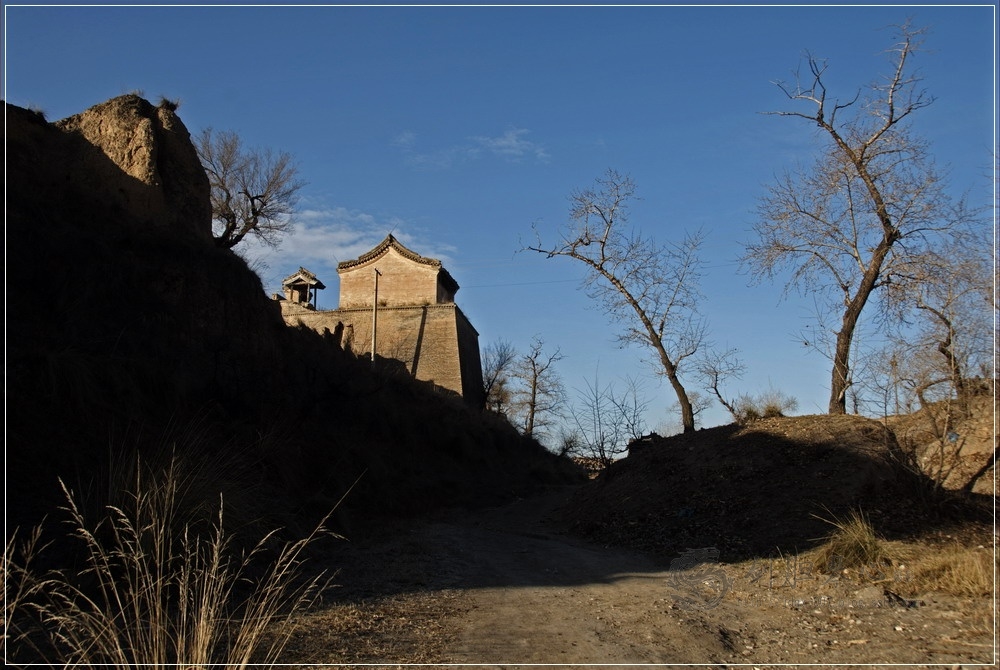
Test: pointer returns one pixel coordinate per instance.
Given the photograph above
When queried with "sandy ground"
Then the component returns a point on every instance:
(505, 586)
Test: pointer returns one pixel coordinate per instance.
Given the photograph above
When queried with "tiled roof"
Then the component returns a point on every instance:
(385, 245)
(303, 276)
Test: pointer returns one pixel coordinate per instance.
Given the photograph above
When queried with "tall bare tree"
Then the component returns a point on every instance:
(253, 191)
(653, 287)
(539, 395)
(873, 201)
(498, 361)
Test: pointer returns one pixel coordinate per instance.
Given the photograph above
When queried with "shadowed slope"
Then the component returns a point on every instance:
(129, 332)
(755, 490)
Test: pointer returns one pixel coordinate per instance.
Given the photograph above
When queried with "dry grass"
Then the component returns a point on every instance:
(953, 569)
(852, 545)
(855, 549)
(149, 592)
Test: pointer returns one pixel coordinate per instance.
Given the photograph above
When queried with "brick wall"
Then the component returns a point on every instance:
(436, 343)
(419, 324)
(403, 282)
(469, 360)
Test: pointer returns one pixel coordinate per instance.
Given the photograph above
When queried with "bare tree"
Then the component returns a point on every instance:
(631, 406)
(498, 360)
(717, 366)
(253, 191)
(634, 279)
(540, 394)
(851, 225)
(953, 300)
(950, 359)
(940, 359)
(605, 421)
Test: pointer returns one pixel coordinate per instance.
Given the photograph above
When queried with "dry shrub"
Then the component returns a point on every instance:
(853, 544)
(768, 404)
(149, 592)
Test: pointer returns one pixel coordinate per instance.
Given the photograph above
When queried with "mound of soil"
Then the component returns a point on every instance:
(757, 490)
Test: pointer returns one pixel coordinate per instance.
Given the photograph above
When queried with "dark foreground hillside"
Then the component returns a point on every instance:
(131, 336)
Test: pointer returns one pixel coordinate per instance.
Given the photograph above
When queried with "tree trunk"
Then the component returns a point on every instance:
(529, 419)
(687, 412)
(670, 369)
(841, 370)
(655, 339)
(842, 354)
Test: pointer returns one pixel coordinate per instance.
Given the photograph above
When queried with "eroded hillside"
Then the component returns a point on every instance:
(130, 333)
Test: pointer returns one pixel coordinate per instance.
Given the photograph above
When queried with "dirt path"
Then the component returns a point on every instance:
(504, 586)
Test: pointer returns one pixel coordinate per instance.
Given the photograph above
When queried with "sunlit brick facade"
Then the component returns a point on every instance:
(418, 323)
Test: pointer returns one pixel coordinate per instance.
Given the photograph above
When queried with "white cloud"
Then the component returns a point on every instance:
(511, 146)
(321, 238)
(405, 140)
(443, 159)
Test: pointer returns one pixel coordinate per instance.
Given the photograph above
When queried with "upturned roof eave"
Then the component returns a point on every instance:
(391, 242)
(305, 277)
(381, 249)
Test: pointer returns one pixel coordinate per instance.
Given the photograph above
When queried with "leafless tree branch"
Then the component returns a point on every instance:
(653, 287)
(871, 203)
(253, 191)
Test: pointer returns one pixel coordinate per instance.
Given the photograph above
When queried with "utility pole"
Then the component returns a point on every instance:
(375, 315)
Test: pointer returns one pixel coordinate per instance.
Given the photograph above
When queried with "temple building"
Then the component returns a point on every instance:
(410, 301)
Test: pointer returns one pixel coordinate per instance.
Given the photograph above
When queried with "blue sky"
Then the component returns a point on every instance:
(458, 128)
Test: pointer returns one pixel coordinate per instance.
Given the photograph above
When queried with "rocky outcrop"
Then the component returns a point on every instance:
(109, 225)
(121, 310)
(142, 160)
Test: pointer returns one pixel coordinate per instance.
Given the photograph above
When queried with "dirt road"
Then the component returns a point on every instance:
(506, 587)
